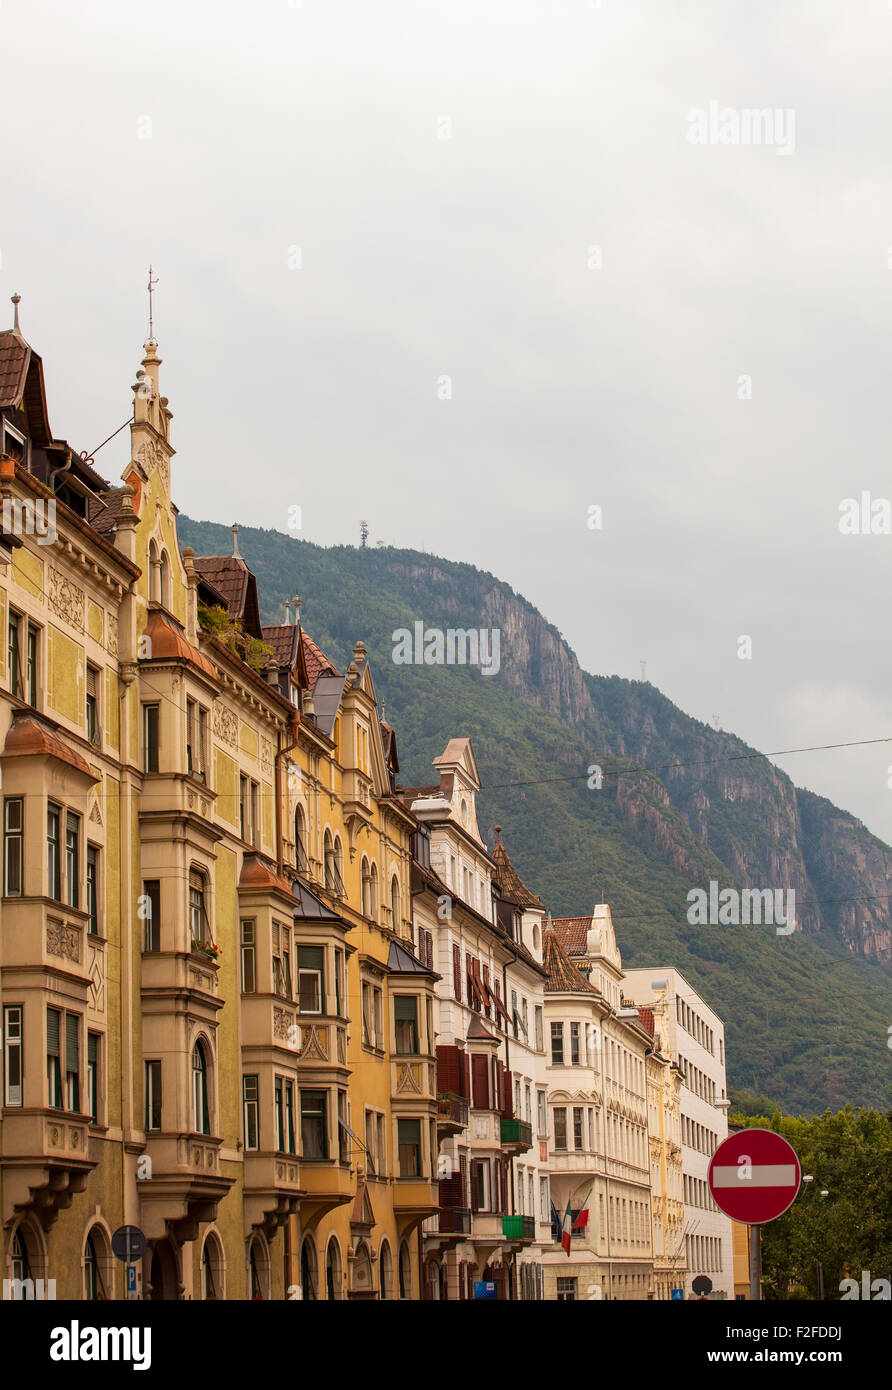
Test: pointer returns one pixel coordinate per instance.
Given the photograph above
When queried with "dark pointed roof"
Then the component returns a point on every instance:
(21, 385)
(563, 976)
(510, 881)
(477, 1030)
(402, 962)
(231, 577)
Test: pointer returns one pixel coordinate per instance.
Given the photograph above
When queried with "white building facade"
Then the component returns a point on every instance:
(694, 1036)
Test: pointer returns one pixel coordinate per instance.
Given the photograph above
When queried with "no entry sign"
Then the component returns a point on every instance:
(754, 1176)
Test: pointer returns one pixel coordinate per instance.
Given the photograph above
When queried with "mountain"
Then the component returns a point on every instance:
(806, 1014)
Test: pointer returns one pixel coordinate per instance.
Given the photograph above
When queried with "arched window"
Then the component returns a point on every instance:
(199, 921)
(373, 906)
(396, 916)
(301, 862)
(329, 860)
(405, 1272)
(258, 1269)
(21, 1265)
(385, 1263)
(333, 1270)
(164, 580)
(154, 573)
(366, 883)
(212, 1268)
(96, 1267)
(334, 867)
(200, 1114)
(308, 1269)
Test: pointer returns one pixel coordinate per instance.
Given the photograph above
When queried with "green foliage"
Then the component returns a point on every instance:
(217, 621)
(805, 1020)
(848, 1155)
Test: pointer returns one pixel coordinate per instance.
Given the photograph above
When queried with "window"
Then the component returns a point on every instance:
(480, 1184)
(153, 1095)
(405, 1017)
(72, 859)
(200, 1112)
(396, 915)
(93, 1076)
(249, 963)
(150, 721)
(515, 1016)
(150, 906)
(308, 1269)
(334, 881)
(13, 653)
(54, 1059)
(13, 826)
(302, 863)
(164, 577)
(566, 1289)
(314, 1124)
(343, 1131)
(333, 1270)
(53, 859)
(541, 1115)
(92, 890)
(198, 917)
(557, 1044)
(578, 1133)
(284, 1097)
(338, 978)
(92, 704)
(12, 1054)
(310, 979)
(371, 1015)
(560, 1127)
(208, 1271)
(248, 809)
(196, 740)
(251, 1111)
(31, 666)
(94, 1289)
(72, 1062)
(409, 1140)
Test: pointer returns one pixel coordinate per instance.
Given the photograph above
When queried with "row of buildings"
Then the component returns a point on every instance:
(293, 1020)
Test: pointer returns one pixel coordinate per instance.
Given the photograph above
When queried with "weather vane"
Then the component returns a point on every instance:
(152, 282)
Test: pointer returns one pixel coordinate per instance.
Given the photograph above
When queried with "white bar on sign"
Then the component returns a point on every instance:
(763, 1175)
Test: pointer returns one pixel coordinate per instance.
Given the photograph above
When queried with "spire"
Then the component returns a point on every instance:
(16, 301)
(151, 338)
(288, 612)
(235, 550)
(297, 601)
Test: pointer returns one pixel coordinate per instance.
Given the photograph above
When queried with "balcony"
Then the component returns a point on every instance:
(182, 1186)
(452, 1114)
(519, 1227)
(46, 1160)
(272, 1190)
(454, 1221)
(516, 1135)
(325, 1184)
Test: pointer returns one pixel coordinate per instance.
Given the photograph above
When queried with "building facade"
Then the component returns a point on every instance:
(216, 1023)
(694, 1036)
(493, 1222)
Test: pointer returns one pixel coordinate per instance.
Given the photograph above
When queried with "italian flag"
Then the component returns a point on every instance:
(567, 1227)
(582, 1219)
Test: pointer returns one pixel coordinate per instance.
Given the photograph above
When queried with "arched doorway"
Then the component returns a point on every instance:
(308, 1270)
(405, 1272)
(333, 1280)
(258, 1269)
(164, 1272)
(385, 1261)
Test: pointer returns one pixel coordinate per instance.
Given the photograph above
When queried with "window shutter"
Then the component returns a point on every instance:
(465, 1065)
(72, 1050)
(92, 1048)
(52, 1032)
(486, 989)
(448, 1069)
(480, 1074)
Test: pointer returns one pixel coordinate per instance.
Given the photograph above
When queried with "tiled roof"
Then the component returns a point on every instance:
(103, 513)
(28, 736)
(512, 884)
(15, 355)
(572, 932)
(563, 976)
(281, 637)
(167, 641)
(317, 661)
(229, 574)
(646, 1017)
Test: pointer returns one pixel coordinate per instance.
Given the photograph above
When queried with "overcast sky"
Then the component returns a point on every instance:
(347, 202)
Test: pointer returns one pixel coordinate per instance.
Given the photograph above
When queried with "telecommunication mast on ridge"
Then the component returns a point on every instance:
(363, 534)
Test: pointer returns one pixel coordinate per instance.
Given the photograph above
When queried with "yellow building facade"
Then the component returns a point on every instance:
(216, 1024)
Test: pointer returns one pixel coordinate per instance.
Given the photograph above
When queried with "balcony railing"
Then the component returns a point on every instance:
(452, 1110)
(519, 1227)
(455, 1220)
(516, 1133)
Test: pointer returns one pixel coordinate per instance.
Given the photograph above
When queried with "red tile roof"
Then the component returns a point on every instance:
(280, 637)
(15, 355)
(28, 736)
(317, 662)
(511, 883)
(563, 976)
(646, 1017)
(572, 932)
(169, 642)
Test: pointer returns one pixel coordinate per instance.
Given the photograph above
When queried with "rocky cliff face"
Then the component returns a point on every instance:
(765, 831)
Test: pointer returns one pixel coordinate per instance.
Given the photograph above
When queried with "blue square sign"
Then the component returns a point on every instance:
(484, 1289)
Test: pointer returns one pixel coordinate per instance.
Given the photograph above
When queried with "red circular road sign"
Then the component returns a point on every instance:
(754, 1176)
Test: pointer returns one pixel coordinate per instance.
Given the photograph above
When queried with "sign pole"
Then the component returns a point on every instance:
(755, 1264)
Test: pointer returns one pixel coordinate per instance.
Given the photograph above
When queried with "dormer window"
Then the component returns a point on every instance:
(14, 444)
